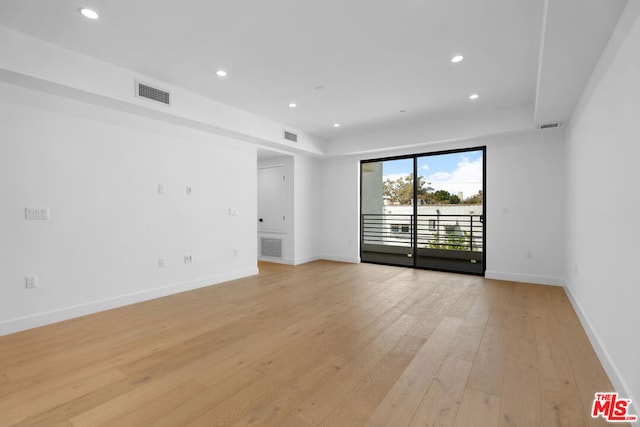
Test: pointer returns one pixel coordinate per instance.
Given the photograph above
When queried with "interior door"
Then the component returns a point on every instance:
(271, 199)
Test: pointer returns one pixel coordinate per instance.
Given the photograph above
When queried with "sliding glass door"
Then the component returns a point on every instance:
(387, 235)
(424, 211)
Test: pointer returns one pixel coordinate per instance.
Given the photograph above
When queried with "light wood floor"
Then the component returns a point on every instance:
(319, 344)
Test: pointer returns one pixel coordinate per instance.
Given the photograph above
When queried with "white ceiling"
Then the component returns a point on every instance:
(355, 62)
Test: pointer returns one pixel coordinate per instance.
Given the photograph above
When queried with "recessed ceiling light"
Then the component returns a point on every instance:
(336, 125)
(457, 58)
(292, 105)
(474, 96)
(221, 73)
(88, 13)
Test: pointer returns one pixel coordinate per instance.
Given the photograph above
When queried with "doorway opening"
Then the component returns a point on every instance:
(275, 207)
(425, 211)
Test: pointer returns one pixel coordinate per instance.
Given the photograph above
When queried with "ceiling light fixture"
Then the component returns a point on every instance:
(457, 58)
(221, 73)
(336, 125)
(88, 13)
(474, 96)
(292, 105)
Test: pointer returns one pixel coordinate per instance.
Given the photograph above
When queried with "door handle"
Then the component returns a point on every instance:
(260, 220)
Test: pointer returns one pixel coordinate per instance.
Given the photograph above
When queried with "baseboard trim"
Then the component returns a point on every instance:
(337, 258)
(304, 260)
(54, 316)
(525, 278)
(605, 359)
(286, 261)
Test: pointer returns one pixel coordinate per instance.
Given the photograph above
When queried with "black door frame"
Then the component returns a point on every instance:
(414, 230)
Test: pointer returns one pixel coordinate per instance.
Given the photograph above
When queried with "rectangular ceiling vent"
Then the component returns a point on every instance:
(290, 136)
(154, 94)
(550, 125)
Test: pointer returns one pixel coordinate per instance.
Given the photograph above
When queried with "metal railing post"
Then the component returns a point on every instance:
(471, 233)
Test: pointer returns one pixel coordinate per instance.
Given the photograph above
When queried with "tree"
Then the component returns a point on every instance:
(476, 199)
(442, 196)
(400, 191)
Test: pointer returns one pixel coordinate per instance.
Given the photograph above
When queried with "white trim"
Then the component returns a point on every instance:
(287, 261)
(338, 258)
(306, 259)
(525, 278)
(41, 319)
(605, 358)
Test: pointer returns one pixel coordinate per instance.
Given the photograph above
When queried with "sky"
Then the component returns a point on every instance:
(454, 172)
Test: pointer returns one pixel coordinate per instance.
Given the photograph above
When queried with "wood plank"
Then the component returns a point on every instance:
(441, 402)
(356, 408)
(330, 394)
(322, 343)
(478, 408)
(33, 400)
(521, 401)
(143, 412)
(402, 401)
(488, 367)
(561, 409)
(210, 397)
(555, 372)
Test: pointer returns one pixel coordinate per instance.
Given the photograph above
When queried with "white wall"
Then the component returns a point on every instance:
(307, 208)
(98, 171)
(340, 189)
(524, 176)
(603, 152)
(525, 207)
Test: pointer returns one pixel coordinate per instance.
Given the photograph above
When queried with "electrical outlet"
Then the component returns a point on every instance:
(187, 259)
(236, 252)
(161, 262)
(31, 281)
(234, 212)
(188, 190)
(160, 188)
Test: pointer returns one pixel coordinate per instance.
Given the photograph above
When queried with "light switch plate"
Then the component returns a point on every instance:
(36, 213)
(31, 281)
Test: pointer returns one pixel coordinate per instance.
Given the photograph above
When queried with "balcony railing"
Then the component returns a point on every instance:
(447, 232)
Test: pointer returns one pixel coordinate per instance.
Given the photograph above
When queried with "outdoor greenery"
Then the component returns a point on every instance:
(451, 242)
(400, 192)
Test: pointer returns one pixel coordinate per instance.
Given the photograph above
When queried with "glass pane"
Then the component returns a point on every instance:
(450, 211)
(387, 211)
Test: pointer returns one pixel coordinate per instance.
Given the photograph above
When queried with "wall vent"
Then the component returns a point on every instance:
(550, 125)
(154, 94)
(290, 136)
(271, 247)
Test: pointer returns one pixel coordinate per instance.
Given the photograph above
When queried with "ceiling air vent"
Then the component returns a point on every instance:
(152, 93)
(290, 136)
(550, 125)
